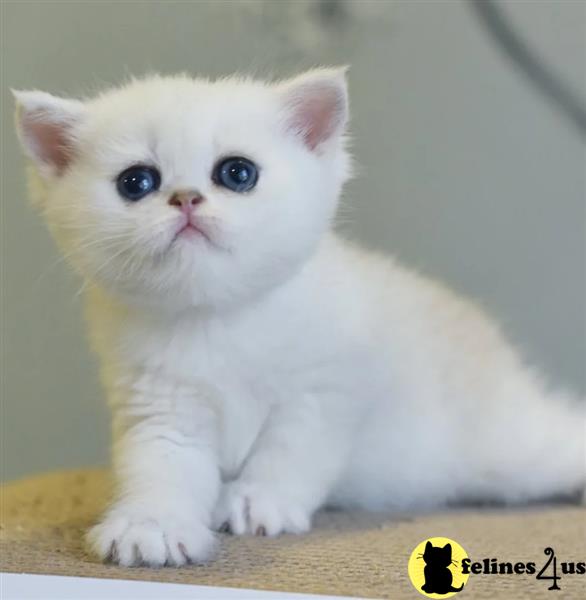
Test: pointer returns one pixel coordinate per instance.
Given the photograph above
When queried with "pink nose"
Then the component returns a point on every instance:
(185, 200)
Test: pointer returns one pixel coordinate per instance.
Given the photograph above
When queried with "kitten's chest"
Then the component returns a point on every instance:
(220, 365)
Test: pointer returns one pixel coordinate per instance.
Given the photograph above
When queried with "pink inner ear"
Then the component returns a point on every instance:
(317, 113)
(49, 139)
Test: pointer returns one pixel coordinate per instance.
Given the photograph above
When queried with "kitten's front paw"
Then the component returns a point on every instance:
(247, 508)
(131, 539)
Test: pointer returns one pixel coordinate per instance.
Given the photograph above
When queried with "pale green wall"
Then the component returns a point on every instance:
(465, 172)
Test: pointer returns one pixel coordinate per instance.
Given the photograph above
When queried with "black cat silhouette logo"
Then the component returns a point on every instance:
(435, 568)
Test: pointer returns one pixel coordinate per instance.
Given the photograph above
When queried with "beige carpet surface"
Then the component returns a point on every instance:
(352, 554)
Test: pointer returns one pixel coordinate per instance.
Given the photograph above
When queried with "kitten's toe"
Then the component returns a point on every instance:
(132, 540)
(257, 510)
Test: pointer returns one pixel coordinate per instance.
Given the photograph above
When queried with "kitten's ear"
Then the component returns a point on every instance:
(428, 546)
(45, 126)
(315, 105)
(448, 549)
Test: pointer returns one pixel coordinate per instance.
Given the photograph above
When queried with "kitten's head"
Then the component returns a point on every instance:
(185, 192)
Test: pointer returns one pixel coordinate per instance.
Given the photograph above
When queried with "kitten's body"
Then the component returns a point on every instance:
(424, 419)
(276, 368)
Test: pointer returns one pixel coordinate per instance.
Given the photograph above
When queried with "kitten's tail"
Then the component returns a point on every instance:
(552, 447)
(539, 448)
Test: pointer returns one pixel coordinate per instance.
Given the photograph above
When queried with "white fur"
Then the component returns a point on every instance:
(279, 368)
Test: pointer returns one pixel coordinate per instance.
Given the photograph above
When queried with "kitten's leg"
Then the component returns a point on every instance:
(290, 471)
(168, 482)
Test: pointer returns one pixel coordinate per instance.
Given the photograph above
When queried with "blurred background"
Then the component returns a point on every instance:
(470, 169)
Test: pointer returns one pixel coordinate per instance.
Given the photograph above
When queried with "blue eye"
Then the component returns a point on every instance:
(136, 182)
(236, 173)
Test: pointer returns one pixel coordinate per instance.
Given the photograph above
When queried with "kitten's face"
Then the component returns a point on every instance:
(186, 192)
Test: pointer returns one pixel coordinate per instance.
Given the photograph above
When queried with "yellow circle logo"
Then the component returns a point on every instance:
(435, 568)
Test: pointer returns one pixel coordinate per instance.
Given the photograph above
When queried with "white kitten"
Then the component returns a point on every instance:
(259, 367)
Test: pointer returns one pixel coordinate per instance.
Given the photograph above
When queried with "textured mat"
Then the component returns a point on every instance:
(353, 554)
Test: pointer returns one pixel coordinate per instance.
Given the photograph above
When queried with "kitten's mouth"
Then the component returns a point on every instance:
(190, 229)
